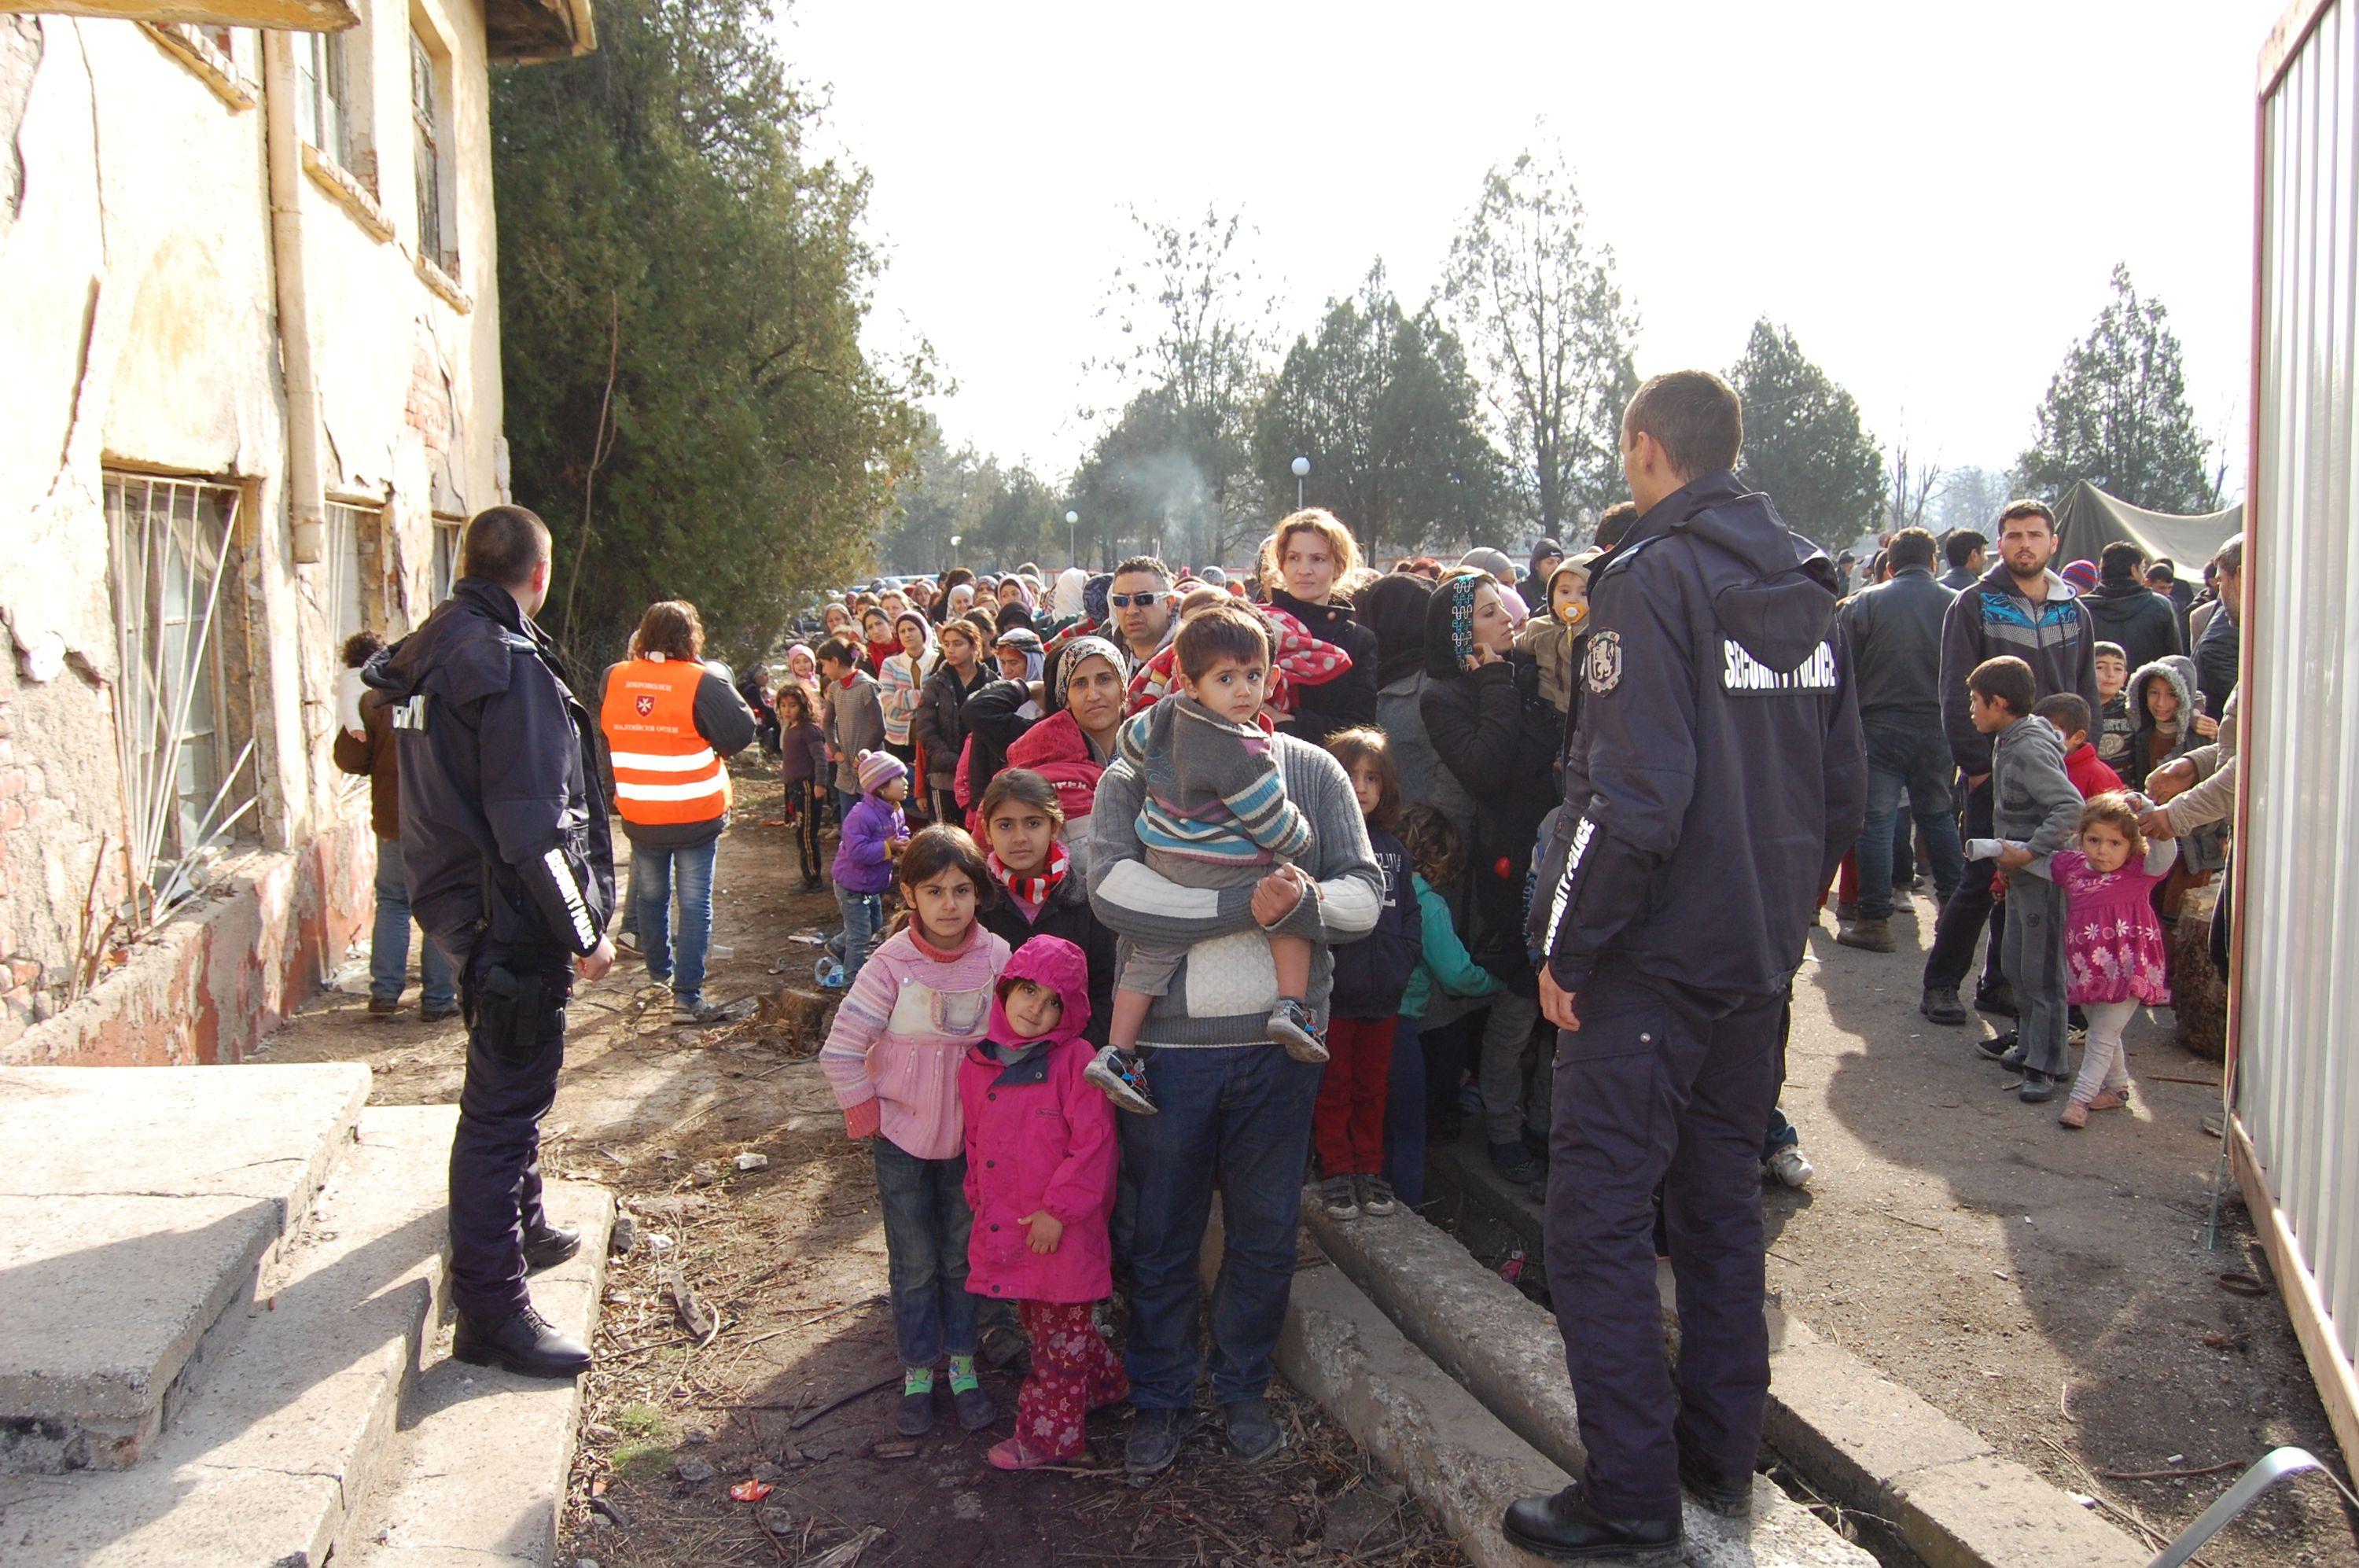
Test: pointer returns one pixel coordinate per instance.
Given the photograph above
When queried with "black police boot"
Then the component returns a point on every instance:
(524, 1343)
(1730, 1499)
(548, 1245)
(1565, 1528)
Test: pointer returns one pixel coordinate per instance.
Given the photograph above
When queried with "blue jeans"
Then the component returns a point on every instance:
(653, 872)
(1235, 1118)
(1405, 1115)
(1919, 764)
(389, 942)
(926, 1225)
(864, 917)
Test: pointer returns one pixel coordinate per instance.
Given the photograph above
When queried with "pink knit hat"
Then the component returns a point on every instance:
(878, 769)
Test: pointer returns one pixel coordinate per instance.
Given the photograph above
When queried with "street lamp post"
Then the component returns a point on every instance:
(1072, 554)
(1301, 472)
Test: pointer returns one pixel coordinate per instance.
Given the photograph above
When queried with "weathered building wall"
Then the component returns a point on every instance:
(140, 330)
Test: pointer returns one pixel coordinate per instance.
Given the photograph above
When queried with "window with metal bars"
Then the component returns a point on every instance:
(425, 104)
(171, 544)
(322, 97)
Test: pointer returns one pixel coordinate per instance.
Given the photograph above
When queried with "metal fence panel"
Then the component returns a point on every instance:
(2299, 989)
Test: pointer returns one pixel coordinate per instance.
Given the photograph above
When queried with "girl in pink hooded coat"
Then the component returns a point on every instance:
(1041, 1155)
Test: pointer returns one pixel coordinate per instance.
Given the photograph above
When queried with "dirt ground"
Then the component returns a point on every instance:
(791, 1257)
(2049, 1289)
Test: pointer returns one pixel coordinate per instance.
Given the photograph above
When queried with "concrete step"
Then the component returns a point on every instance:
(1425, 1431)
(480, 1468)
(275, 1446)
(138, 1208)
(1943, 1492)
(1505, 1350)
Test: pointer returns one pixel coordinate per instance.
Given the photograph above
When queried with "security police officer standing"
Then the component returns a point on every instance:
(1716, 781)
(511, 867)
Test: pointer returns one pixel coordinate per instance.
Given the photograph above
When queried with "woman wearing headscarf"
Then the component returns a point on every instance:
(1070, 745)
(939, 723)
(1393, 609)
(1496, 733)
(1304, 562)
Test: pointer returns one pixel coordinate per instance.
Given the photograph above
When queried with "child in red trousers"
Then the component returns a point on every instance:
(1041, 1154)
(1363, 1010)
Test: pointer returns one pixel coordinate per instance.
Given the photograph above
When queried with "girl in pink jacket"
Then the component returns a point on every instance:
(1041, 1156)
(892, 1056)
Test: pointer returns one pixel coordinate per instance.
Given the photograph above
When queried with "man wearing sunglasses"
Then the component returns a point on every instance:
(1141, 600)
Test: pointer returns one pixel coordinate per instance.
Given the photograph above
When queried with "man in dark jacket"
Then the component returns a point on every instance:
(372, 755)
(2127, 612)
(1966, 552)
(1547, 556)
(2218, 652)
(2162, 578)
(1894, 633)
(1715, 785)
(511, 865)
(2019, 608)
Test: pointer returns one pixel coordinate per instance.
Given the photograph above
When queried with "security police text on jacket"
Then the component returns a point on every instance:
(504, 829)
(1720, 774)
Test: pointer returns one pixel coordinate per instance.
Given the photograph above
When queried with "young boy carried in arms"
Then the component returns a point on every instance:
(1215, 816)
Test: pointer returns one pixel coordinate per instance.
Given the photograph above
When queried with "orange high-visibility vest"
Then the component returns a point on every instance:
(664, 771)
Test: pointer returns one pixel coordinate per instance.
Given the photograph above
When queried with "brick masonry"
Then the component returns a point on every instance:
(212, 982)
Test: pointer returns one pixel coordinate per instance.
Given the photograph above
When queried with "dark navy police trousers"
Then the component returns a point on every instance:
(515, 1002)
(1661, 1084)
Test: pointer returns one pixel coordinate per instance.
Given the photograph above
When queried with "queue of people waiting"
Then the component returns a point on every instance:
(1158, 884)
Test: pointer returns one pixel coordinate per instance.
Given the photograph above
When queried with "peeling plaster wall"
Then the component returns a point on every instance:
(136, 258)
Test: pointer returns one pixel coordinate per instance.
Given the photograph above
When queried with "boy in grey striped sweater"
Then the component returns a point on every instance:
(1215, 815)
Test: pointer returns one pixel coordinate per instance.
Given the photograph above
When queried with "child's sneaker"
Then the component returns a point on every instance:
(1340, 1198)
(1291, 1025)
(2075, 1114)
(1122, 1078)
(1375, 1195)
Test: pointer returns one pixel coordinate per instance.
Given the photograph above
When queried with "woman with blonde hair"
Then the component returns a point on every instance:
(1304, 564)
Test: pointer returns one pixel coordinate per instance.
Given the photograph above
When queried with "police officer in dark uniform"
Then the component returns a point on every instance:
(1717, 779)
(511, 865)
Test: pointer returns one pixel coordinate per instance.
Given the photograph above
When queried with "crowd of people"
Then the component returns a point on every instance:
(1160, 883)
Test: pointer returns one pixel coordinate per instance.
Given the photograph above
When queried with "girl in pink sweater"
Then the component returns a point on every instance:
(892, 1057)
(1041, 1156)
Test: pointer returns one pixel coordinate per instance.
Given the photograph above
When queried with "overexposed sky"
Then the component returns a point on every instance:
(1930, 195)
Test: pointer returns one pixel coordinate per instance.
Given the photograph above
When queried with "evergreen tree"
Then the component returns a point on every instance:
(681, 292)
(2116, 415)
(1803, 441)
(1381, 404)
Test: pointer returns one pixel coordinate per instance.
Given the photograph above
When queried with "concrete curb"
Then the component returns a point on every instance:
(480, 1469)
(1427, 1432)
(1505, 1349)
(1869, 1444)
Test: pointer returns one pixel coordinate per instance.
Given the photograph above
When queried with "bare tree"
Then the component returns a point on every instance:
(1538, 305)
(1910, 488)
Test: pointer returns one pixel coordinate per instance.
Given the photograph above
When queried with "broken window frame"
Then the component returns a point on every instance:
(172, 549)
